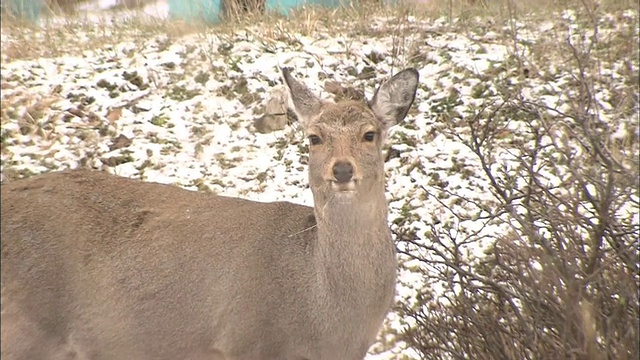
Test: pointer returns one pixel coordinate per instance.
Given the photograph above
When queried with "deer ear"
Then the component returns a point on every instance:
(305, 103)
(392, 100)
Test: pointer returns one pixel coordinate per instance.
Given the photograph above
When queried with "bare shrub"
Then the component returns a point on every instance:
(558, 276)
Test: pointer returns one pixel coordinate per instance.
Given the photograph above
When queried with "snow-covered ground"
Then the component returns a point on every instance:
(180, 110)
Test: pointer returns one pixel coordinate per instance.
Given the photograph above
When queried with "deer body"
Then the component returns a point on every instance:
(95, 266)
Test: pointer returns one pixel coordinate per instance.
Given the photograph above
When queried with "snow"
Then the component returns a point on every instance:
(203, 133)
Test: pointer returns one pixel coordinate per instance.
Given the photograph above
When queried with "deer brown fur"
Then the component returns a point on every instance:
(96, 266)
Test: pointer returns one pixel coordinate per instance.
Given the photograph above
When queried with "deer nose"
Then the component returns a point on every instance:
(343, 171)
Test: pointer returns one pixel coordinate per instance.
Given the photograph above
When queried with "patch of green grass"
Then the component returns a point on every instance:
(159, 120)
(181, 93)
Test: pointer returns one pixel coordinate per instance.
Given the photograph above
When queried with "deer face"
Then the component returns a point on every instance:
(345, 139)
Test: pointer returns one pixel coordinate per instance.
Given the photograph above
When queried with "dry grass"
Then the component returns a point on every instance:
(55, 39)
(77, 34)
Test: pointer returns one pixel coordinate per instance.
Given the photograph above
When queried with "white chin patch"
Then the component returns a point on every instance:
(346, 188)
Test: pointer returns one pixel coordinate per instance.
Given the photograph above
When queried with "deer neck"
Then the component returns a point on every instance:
(355, 255)
(352, 232)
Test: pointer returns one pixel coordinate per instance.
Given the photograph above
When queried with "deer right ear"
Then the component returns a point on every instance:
(305, 103)
(393, 98)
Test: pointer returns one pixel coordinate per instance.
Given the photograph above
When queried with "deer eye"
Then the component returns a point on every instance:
(369, 136)
(315, 139)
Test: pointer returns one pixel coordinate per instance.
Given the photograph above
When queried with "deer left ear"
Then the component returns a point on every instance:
(392, 100)
(305, 103)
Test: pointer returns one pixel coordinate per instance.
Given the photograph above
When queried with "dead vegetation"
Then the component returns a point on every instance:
(558, 277)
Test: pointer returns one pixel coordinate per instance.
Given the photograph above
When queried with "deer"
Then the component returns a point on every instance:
(98, 266)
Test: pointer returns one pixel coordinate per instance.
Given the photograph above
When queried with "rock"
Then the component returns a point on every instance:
(275, 117)
(270, 123)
